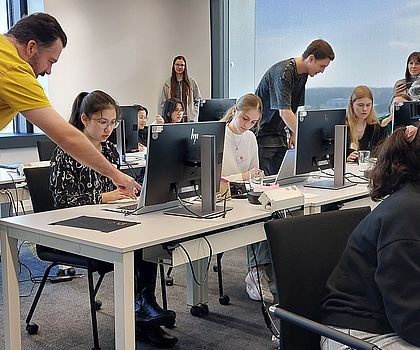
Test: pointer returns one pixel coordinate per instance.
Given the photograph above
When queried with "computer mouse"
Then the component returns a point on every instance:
(253, 197)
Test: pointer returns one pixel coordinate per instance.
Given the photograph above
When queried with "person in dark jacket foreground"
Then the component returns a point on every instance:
(374, 292)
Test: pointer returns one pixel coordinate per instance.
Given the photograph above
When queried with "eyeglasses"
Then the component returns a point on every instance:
(179, 65)
(103, 123)
(178, 110)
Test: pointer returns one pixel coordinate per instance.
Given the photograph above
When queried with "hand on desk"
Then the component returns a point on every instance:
(112, 196)
(353, 156)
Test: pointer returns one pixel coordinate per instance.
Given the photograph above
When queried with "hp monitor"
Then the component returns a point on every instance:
(214, 109)
(184, 160)
(125, 137)
(321, 145)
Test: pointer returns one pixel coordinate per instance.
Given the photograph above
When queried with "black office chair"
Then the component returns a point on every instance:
(304, 251)
(37, 179)
(45, 149)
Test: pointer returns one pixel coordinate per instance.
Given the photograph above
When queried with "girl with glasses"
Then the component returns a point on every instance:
(183, 87)
(96, 114)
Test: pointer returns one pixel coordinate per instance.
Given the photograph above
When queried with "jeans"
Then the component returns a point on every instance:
(270, 159)
(389, 341)
(262, 254)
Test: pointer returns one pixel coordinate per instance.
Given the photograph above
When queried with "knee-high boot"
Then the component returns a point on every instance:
(148, 311)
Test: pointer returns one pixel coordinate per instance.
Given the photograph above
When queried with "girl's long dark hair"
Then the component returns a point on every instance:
(89, 103)
(398, 163)
(186, 85)
(414, 56)
(169, 107)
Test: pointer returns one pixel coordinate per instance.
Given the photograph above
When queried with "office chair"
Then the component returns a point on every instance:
(45, 149)
(37, 179)
(304, 251)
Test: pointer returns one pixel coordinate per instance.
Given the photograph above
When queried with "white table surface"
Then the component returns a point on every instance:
(118, 247)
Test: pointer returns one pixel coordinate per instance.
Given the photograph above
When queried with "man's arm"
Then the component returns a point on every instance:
(290, 120)
(78, 146)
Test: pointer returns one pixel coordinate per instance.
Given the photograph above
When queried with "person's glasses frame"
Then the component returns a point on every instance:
(179, 65)
(104, 124)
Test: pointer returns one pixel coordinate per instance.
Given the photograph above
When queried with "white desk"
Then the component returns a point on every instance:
(117, 247)
(315, 198)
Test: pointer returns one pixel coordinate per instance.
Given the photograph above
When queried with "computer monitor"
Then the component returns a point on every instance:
(320, 145)
(214, 109)
(406, 113)
(125, 137)
(175, 167)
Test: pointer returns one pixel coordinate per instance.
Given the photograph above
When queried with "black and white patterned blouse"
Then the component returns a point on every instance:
(73, 184)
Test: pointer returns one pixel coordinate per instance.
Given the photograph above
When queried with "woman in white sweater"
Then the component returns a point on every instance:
(240, 163)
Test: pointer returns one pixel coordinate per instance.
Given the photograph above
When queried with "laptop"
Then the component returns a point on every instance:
(286, 174)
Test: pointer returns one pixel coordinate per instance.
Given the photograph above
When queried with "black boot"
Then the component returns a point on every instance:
(155, 336)
(149, 312)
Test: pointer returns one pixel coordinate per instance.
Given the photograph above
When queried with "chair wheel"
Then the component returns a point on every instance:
(71, 271)
(204, 309)
(224, 300)
(195, 310)
(169, 281)
(199, 310)
(98, 305)
(32, 328)
(215, 268)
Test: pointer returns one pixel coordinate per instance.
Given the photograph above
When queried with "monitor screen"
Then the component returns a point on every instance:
(173, 166)
(321, 143)
(315, 139)
(128, 130)
(406, 113)
(214, 109)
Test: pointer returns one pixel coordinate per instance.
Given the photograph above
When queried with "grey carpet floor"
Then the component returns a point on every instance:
(64, 320)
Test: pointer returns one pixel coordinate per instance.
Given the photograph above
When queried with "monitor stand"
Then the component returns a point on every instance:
(207, 208)
(339, 181)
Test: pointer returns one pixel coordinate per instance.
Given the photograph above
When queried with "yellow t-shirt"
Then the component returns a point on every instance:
(19, 89)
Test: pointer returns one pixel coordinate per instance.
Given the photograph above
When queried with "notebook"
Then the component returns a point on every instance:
(286, 175)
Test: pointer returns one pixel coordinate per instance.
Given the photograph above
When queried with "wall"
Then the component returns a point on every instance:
(126, 48)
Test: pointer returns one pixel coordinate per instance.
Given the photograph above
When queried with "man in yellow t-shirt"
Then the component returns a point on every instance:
(27, 50)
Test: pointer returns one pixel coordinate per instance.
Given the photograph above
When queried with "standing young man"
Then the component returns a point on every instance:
(282, 90)
(27, 50)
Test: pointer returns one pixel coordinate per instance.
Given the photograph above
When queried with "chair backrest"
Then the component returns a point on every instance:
(37, 180)
(45, 149)
(304, 251)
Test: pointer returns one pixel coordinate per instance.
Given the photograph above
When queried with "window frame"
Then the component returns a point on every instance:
(23, 131)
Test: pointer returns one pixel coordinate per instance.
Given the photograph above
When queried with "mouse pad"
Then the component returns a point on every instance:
(95, 223)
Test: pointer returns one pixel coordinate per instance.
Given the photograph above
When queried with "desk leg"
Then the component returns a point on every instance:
(124, 302)
(197, 294)
(5, 210)
(12, 336)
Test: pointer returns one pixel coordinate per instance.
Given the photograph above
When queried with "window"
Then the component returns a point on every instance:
(371, 39)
